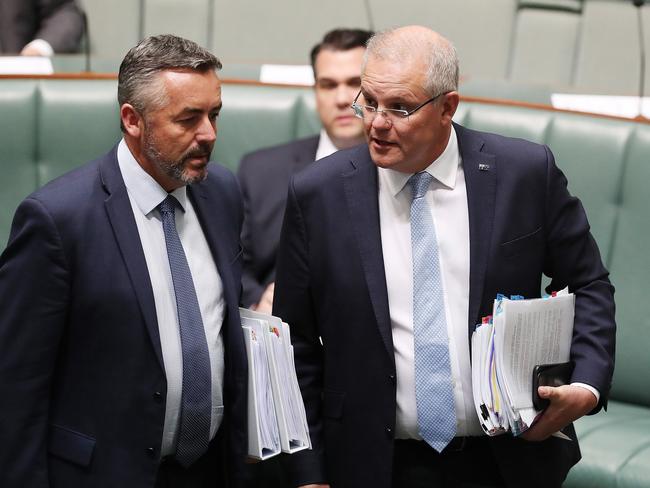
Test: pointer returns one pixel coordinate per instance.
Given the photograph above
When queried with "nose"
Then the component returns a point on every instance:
(381, 120)
(207, 132)
(344, 95)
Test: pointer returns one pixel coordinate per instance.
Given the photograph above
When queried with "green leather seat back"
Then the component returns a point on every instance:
(254, 117)
(509, 121)
(18, 135)
(615, 449)
(544, 46)
(281, 32)
(608, 49)
(78, 121)
(307, 122)
(630, 268)
(186, 18)
(114, 26)
(591, 152)
(481, 30)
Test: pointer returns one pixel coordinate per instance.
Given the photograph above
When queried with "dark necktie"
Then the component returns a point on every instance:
(194, 431)
(433, 391)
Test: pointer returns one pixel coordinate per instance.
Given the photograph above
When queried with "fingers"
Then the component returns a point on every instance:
(568, 403)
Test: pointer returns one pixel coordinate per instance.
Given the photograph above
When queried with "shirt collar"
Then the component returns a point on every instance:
(146, 191)
(325, 146)
(444, 168)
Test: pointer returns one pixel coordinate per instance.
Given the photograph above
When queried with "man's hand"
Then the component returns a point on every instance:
(30, 51)
(568, 403)
(265, 305)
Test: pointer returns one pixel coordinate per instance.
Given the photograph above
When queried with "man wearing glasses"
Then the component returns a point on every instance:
(392, 251)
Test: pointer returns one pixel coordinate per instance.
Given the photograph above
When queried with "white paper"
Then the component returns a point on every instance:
(25, 65)
(287, 74)
(522, 334)
(620, 106)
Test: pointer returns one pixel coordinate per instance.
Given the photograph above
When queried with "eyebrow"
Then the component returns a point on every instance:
(194, 110)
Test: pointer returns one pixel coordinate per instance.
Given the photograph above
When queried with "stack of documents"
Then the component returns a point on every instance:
(507, 346)
(276, 413)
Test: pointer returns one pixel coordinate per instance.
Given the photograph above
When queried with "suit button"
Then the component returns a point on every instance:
(389, 432)
(157, 397)
(151, 451)
(392, 378)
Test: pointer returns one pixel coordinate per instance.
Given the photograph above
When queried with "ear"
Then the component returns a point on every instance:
(131, 120)
(449, 106)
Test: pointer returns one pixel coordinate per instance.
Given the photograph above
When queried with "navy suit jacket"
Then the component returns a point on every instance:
(82, 381)
(331, 284)
(264, 178)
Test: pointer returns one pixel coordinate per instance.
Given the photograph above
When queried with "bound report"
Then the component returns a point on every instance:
(276, 412)
(525, 343)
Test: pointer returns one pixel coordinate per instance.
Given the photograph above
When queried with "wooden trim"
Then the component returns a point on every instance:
(241, 81)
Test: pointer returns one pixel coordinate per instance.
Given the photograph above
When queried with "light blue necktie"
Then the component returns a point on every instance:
(433, 388)
(196, 400)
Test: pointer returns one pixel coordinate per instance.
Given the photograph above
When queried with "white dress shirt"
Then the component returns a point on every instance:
(325, 146)
(145, 194)
(447, 198)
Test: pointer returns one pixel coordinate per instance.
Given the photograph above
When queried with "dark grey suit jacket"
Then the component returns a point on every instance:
(264, 178)
(331, 286)
(58, 22)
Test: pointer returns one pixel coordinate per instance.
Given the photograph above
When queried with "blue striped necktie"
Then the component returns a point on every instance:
(196, 400)
(433, 389)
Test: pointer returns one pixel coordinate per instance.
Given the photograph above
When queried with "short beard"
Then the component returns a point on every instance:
(175, 169)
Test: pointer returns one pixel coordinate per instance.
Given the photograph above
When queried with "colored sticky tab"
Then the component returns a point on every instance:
(516, 297)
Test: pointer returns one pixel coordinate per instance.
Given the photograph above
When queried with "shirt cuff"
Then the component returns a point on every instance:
(590, 388)
(42, 47)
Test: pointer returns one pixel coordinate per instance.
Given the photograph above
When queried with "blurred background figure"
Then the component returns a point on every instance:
(264, 174)
(40, 27)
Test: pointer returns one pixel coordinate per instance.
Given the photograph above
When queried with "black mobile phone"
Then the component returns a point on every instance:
(556, 374)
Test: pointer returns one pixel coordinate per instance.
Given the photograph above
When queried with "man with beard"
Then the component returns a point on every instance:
(121, 359)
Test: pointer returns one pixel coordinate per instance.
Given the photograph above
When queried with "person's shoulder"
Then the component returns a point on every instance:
(287, 151)
(505, 148)
(72, 189)
(334, 166)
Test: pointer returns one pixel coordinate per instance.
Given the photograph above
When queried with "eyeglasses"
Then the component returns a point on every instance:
(392, 114)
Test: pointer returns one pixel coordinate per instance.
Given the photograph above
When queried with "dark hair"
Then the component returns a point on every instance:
(340, 40)
(151, 56)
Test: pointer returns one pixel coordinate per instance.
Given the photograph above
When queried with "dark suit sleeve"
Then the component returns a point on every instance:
(292, 302)
(252, 286)
(573, 260)
(60, 24)
(34, 290)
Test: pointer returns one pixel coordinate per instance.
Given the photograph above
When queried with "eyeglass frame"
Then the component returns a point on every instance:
(403, 114)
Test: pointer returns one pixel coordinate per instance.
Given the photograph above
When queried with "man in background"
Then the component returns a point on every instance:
(40, 27)
(122, 361)
(264, 174)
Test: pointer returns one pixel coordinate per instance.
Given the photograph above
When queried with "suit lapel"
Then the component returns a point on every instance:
(120, 215)
(361, 195)
(480, 170)
(213, 219)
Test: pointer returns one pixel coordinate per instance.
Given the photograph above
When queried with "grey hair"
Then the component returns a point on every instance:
(137, 80)
(438, 53)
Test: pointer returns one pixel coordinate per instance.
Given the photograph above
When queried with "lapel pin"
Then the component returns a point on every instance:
(483, 167)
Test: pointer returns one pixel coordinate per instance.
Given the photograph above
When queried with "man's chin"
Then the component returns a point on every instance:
(195, 175)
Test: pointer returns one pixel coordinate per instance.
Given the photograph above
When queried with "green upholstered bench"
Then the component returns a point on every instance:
(49, 126)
